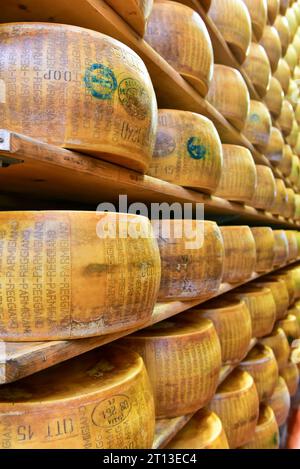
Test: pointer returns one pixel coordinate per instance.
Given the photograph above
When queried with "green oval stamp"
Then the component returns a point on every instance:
(134, 98)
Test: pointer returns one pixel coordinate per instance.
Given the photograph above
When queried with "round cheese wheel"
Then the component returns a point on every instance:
(292, 21)
(169, 22)
(286, 118)
(271, 43)
(262, 366)
(291, 327)
(281, 198)
(281, 248)
(290, 374)
(296, 74)
(273, 10)
(295, 172)
(280, 402)
(233, 106)
(297, 201)
(192, 257)
(74, 75)
(280, 294)
(265, 243)
(274, 97)
(293, 245)
(297, 113)
(285, 165)
(134, 12)
(258, 13)
(280, 346)
(287, 277)
(283, 75)
(293, 137)
(282, 26)
(296, 44)
(290, 207)
(64, 278)
(100, 400)
(183, 359)
(203, 431)
(236, 403)
(188, 150)
(232, 322)
(238, 178)
(274, 150)
(297, 213)
(297, 149)
(258, 125)
(296, 8)
(291, 57)
(235, 28)
(257, 68)
(265, 192)
(266, 435)
(293, 93)
(240, 253)
(284, 4)
(295, 272)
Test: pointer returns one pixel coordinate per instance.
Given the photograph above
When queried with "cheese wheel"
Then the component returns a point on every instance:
(183, 360)
(286, 118)
(257, 68)
(280, 294)
(281, 248)
(283, 75)
(273, 10)
(258, 125)
(287, 277)
(271, 43)
(281, 198)
(274, 97)
(280, 402)
(262, 308)
(64, 278)
(297, 148)
(296, 8)
(233, 106)
(292, 21)
(102, 399)
(232, 322)
(236, 403)
(168, 23)
(282, 26)
(284, 4)
(203, 431)
(293, 245)
(293, 137)
(295, 172)
(290, 208)
(297, 200)
(296, 44)
(291, 327)
(295, 310)
(188, 150)
(238, 178)
(293, 93)
(235, 28)
(280, 346)
(297, 213)
(264, 242)
(134, 12)
(262, 366)
(258, 13)
(297, 113)
(192, 257)
(290, 374)
(296, 74)
(274, 150)
(291, 57)
(285, 165)
(266, 435)
(240, 253)
(295, 272)
(265, 192)
(76, 75)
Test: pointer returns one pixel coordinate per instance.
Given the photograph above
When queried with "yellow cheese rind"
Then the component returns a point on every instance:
(290, 374)
(266, 434)
(291, 57)
(289, 211)
(280, 346)
(284, 4)
(281, 247)
(283, 75)
(271, 43)
(258, 12)
(134, 12)
(265, 193)
(265, 244)
(286, 118)
(274, 97)
(274, 150)
(257, 67)
(293, 245)
(280, 402)
(292, 21)
(258, 125)
(289, 282)
(273, 10)
(281, 198)
(285, 165)
(280, 294)
(282, 26)
(290, 326)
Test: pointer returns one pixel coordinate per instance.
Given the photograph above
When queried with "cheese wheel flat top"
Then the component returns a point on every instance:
(290, 325)
(257, 67)
(290, 374)
(134, 12)
(237, 382)
(274, 97)
(266, 434)
(271, 42)
(258, 13)
(258, 355)
(258, 125)
(282, 26)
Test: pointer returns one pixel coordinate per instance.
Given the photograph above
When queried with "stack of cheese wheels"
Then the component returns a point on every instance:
(291, 57)
(284, 4)
(192, 257)
(283, 75)
(293, 245)
(273, 10)
(236, 403)
(183, 359)
(257, 67)
(286, 118)
(240, 253)
(292, 21)
(285, 165)
(134, 12)
(274, 97)
(274, 150)
(290, 374)
(234, 23)
(258, 13)
(281, 248)
(291, 327)
(295, 172)
(280, 346)
(281, 198)
(293, 137)
(290, 206)
(258, 125)
(262, 308)
(282, 27)
(293, 93)
(280, 294)
(233, 106)
(238, 178)
(262, 366)
(289, 281)
(203, 431)
(116, 82)
(266, 435)
(264, 242)
(101, 400)
(265, 192)
(188, 150)
(87, 272)
(232, 322)
(169, 22)
(271, 43)
(280, 402)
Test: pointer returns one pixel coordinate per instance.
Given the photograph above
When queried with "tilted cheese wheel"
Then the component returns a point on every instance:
(280, 402)
(286, 118)
(285, 165)
(238, 178)
(283, 75)
(235, 28)
(281, 198)
(274, 150)
(290, 208)
(273, 10)
(265, 192)
(233, 106)
(232, 322)
(287, 277)
(265, 252)
(271, 43)
(291, 57)
(70, 281)
(293, 93)
(258, 13)
(274, 97)
(280, 294)
(292, 21)
(281, 247)
(257, 67)
(282, 26)
(290, 374)
(183, 360)
(168, 23)
(203, 431)
(291, 327)
(103, 399)
(262, 308)
(293, 137)
(293, 245)
(284, 4)
(192, 257)
(258, 125)
(240, 253)
(188, 150)
(77, 75)
(280, 346)
(266, 434)
(262, 366)
(236, 403)
(134, 12)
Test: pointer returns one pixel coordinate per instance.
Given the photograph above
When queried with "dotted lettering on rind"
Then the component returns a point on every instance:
(111, 412)
(134, 98)
(100, 80)
(196, 150)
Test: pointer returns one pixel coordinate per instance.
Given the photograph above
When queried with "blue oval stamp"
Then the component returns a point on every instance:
(196, 149)
(100, 80)
(254, 117)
